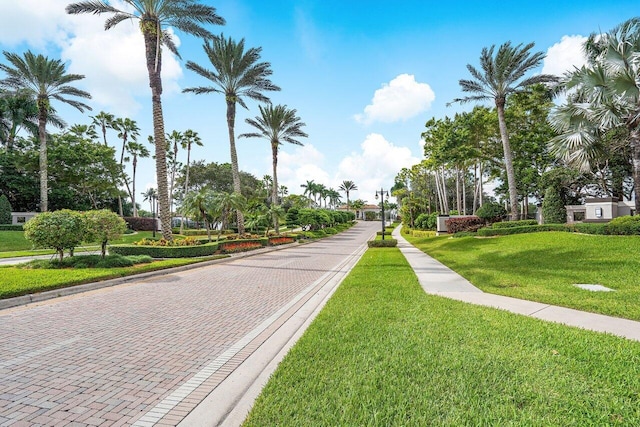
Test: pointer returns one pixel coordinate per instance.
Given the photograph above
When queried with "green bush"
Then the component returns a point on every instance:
(511, 224)
(624, 225)
(491, 212)
(553, 210)
(386, 243)
(59, 230)
(166, 251)
(523, 229)
(426, 221)
(11, 227)
(5, 210)
(101, 226)
(465, 234)
(89, 261)
(589, 228)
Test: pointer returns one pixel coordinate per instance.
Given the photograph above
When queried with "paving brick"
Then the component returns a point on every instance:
(113, 354)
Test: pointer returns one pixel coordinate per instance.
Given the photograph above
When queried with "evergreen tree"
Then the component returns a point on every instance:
(5, 210)
(553, 210)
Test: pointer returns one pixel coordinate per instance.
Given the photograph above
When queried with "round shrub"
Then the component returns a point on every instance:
(59, 230)
(624, 225)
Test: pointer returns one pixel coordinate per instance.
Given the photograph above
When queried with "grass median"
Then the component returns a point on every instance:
(16, 281)
(383, 353)
(545, 266)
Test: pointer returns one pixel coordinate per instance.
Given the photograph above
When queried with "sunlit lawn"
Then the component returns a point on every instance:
(544, 267)
(384, 353)
(15, 281)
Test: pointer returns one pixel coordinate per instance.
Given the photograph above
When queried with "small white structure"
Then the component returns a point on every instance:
(19, 218)
(599, 210)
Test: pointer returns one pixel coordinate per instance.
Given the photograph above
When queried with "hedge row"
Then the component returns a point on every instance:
(387, 243)
(511, 224)
(165, 251)
(522, 229)
(139, 223)
(11, 227)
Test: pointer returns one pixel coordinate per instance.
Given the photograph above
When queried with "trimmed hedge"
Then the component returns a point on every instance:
(590, 227)
(387, 243)
(11, 227)
(511, 224)
(471, 223)
(485, 232)
(166, 251)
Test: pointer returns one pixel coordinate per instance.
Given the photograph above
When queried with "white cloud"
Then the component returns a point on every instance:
(113, 61)
(374, 167)
(304, 164)
(401, 99)
(564, 55)
(34, 22)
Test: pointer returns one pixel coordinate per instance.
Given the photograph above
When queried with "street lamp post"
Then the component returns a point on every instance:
(382, 193)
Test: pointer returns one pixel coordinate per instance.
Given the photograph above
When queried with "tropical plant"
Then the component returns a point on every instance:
(348, 186)
(277, 124)
(18, 111)
(237, 74)
(553, 210)
(186, 16)
(222, 206)
(44, 80)
(500, 76)
(150, 195)
(310, 189)
(604, 97)
(198, 205)
(334, 197)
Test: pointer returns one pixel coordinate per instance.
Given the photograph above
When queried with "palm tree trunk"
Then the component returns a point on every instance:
(635, 156)
(43, 106)
(508, 159)
(274, 189)
(133, 185)
(231, 119)
(186, 184)
(150, 30)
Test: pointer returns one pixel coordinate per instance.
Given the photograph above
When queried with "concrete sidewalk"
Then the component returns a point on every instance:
(437, 279)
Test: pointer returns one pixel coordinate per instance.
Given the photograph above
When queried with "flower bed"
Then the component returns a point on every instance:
(239, 246)
(281, 240)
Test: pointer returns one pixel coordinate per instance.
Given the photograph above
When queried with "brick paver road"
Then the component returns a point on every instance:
(148, 352)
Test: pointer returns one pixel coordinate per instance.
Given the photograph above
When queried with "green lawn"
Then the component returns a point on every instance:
(13, 244)
(16, 281)
(544, 267)
(383, 353)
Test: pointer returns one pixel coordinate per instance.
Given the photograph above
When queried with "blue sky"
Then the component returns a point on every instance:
(364, 75)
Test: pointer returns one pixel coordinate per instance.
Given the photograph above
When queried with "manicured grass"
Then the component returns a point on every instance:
(383, 353)
(16, 281)
(544, 267)
(13, 244)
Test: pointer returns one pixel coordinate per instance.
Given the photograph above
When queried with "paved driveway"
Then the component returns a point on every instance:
(149, 352)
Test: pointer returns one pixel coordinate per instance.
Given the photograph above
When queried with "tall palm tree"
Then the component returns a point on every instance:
(189, 139)
(174, 140)
(127, 130)
(500, 76)
(605, 96)
(347, 186)
(154, 17)
(136, 150)
(237, 74)
(44, 80)
(310, 189)
(105, 121)
(334, 197)
(277, 124)
(223, 204)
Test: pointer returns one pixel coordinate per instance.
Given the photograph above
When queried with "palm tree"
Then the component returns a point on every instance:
(104, 121)
(185, 15)
(237, 74)
(309, 189)
(322, 192)
(127, 129)
(283, 190)
(606, 96)
(174, 139)
(500, 76)
(136, 150)
(347, 186)
(223, 204)
(277, 124)
(199, 205)
(189, 139)
(334, 197)
(44, 80)
(17, 111)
